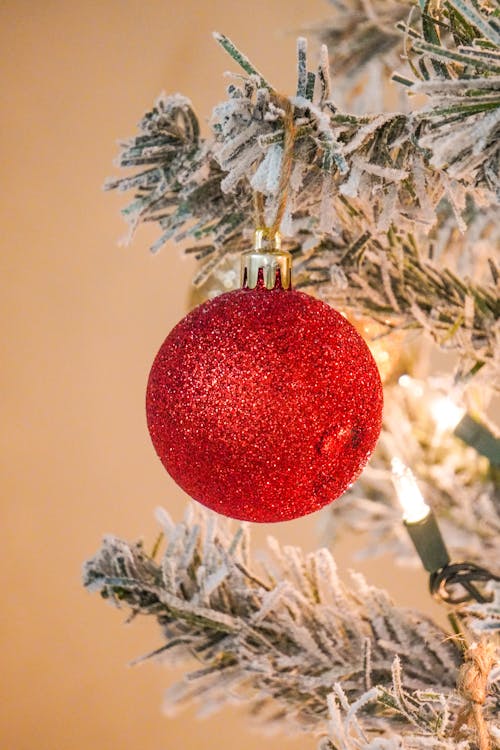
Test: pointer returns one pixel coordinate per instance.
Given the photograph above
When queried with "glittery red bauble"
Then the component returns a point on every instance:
(264, 405)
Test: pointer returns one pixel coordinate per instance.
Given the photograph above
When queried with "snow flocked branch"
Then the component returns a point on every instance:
(386, 198)
(289, 639)
(368, 47)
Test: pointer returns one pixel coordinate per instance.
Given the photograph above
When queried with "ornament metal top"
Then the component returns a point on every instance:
(264, 403)
(267, 259)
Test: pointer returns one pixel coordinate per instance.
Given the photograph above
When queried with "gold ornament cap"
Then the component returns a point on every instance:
(268, 257)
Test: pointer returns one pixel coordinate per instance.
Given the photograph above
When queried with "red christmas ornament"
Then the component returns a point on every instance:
(264, 404)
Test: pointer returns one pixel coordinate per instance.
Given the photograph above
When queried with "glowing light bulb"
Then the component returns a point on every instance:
(445, 413)
(410, 498)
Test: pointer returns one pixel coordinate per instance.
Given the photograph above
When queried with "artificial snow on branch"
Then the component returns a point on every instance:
(389, 280)
(377, 196)
(284, 636)
(485, 618)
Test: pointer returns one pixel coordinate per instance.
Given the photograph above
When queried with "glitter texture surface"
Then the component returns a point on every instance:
(264, 405)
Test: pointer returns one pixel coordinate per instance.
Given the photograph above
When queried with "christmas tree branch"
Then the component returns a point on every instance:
(366, 45)
(431, 174)
(392, 283)
(284, 636)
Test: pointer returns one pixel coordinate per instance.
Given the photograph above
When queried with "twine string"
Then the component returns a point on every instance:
(472, 685)
(289, 131)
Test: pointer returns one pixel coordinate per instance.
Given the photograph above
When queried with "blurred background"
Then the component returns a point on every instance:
(82, 319)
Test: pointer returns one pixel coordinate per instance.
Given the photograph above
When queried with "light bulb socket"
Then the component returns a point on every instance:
(478, 436)
(428, 542)
(267, 263)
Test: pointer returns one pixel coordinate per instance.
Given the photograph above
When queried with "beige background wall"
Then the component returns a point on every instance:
(81, 321)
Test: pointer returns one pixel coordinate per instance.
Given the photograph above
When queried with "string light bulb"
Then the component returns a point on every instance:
(410, 498)
(418, 518)
(446, 413)
(451, 419)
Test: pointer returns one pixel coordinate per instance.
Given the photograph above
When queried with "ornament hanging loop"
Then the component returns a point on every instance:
(267, 263)
(289, 133)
